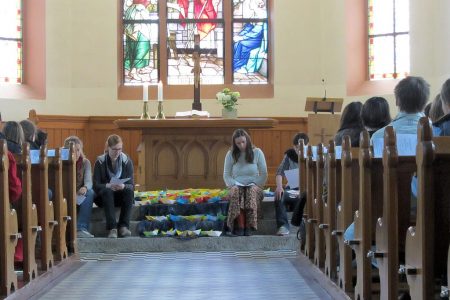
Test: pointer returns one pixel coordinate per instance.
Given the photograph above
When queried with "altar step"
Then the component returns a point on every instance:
(264, 239)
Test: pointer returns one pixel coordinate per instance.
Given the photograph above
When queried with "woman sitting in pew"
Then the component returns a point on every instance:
(244, 173)
(375, 114)
(85, 194)
(29, 131)
(444, 122)
(351, 124)
(13, 134)
(114, 186)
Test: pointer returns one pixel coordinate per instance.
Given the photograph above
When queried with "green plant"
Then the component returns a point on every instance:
(227, 98)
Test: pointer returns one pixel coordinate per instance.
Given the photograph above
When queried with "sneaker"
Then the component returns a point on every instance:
(124, 232)
(112, 234)
(84, 234)
(282, 231)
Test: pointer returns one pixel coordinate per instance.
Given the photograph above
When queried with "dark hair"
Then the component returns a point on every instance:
(249, 148)
(375, 113)
(29, 130)
(41, 138)
(445, 92)
(426, 109)
(13, 132)
(113, 140)
(411, 94)
(351, 116)
(300, 136)
(436, 111)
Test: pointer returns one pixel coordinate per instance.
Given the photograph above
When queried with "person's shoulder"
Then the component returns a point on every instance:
(378, 134)
(101, 158)
(258, 151)
(86, 161)
(126, 159)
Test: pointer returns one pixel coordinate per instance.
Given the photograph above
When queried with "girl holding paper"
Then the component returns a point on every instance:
(114, 186)
(244, 173)
(85, 194)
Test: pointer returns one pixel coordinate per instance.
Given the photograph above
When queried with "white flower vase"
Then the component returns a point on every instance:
(229, 113)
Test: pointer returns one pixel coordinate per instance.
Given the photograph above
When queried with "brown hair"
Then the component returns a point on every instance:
(249, 148)
(113, 140)
(76, 141)
(13, 132)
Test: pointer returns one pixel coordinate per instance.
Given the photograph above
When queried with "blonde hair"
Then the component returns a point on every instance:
(76, 141)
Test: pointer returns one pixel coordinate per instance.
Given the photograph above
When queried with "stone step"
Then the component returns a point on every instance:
(170, 244)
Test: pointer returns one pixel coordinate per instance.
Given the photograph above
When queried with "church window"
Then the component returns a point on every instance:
(388, 39)
(11, 41)
(157, 44)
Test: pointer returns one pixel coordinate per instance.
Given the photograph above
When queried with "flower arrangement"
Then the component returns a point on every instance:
(228, 98)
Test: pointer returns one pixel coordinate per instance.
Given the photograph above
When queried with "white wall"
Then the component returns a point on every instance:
(309, 38)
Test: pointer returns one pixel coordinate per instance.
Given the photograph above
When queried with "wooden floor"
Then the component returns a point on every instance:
(278, 274)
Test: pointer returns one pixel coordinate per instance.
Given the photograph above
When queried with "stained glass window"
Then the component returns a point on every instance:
(158, 41)
(388, 39)
(140, 41)
(250, 41)
(11, 41)
(186, 18)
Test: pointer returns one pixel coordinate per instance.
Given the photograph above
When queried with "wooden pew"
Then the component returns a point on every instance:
(370, 199)
(397, 175)
(28, 215)
(310, 196)
(329, 209)
(9, 233)
(427, 243)
(46, 219)
(349, 199)
(70, 193)
(319, 237)
(60, 204)
(302, 179)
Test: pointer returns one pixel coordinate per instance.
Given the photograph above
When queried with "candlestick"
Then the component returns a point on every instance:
(145, 92)
(160, 115)
(145, 115)
(160, 91)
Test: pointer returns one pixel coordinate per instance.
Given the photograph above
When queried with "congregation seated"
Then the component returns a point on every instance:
(350, 124)
(282, 197)
(85, 193)
(245, 173)
(114, 186)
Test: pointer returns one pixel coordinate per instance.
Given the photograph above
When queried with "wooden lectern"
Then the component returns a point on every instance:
(323, 123)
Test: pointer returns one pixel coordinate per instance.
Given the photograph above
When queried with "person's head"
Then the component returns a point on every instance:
(351, 116)
(29, 130)
(41, 137)
(411, 94)
(436, 111)
(13, 132)
(445, 96)
(426, 109)
(375, 113)
(114, 146)
(78, 145)
(242, 143)
(300, 136)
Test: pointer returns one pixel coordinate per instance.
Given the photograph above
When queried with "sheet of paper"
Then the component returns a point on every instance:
(118, 180)
(292, 178)
(406, 145)
(80, 199)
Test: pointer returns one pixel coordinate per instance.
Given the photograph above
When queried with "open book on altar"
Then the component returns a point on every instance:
(192, 113)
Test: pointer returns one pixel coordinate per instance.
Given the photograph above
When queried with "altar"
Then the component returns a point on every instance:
(178, 153)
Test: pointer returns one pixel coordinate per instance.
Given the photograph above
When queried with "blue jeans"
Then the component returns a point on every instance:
(280, 209)
(84, 211)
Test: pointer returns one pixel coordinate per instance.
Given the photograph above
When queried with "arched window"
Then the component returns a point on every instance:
(11, 41)
(388, 36)
(157, 43)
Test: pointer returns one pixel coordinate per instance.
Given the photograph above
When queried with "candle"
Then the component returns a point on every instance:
(145, 92)
(160, 91)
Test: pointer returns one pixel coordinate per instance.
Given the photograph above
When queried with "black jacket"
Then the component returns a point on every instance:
(101, 176)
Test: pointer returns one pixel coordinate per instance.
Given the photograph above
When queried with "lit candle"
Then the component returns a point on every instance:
(160, 91)
(145, 92)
